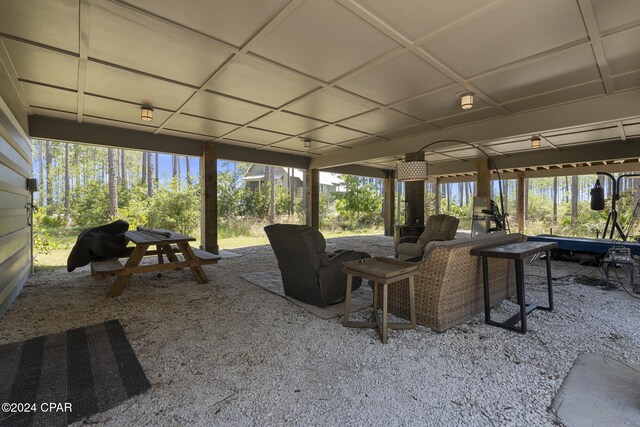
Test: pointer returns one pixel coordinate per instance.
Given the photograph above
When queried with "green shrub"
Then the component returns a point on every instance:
(176, 210)
(92, 205)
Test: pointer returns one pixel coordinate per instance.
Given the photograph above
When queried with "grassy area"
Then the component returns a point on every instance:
(65, 238)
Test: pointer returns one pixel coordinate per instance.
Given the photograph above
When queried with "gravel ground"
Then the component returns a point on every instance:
(231, 353)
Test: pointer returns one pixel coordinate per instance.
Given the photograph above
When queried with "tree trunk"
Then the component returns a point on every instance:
(291, 192)
(272, 195)
(150, 180)
(448, 197)
(42, 194)
(574, 199)
(157, 170)
(555, 200)
(123, 169)
(505, 201)
(144, 166)
(49, 177)
(186, 159)
(66, 179)
(113, 182)
(174, 166)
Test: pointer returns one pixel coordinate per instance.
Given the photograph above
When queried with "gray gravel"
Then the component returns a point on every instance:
(230, 353)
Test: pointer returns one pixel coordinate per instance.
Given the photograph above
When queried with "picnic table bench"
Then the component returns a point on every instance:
(168, 244)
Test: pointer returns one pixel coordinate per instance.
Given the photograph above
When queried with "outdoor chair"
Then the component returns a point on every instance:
(309, 273)
(437, 228)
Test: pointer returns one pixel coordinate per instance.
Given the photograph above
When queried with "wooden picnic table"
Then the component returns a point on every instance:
(166, 245)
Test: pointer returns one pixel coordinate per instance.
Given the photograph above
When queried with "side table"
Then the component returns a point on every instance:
(381, 271)
(518, 252)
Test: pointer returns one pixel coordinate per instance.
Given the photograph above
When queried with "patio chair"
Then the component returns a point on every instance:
(437, 228)
(309, 273)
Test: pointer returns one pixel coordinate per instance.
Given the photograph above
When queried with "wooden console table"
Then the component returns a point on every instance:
(516, 251)
(382, 271)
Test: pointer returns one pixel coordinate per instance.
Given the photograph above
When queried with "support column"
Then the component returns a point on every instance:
(312, 194)
(209, 198)
(389, 199)
(414, 192)
(520, 201)
(483, 178)
(438, 196)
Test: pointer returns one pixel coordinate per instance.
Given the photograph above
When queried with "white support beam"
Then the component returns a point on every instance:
(619, 106)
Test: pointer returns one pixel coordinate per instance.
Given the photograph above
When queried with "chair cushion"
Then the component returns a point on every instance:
(409, 250)
(428, 236)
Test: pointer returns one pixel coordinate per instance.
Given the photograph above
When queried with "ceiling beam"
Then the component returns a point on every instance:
(589, 18)
(89, 133)
(571, 155)
(83, 49)
(605, 108)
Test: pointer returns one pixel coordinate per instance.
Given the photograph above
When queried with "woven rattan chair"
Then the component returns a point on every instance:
(437, 228)
(309, 273)
(448, 288)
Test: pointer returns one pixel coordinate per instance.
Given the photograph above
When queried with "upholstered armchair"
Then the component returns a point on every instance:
(309, 273)
(437, 228)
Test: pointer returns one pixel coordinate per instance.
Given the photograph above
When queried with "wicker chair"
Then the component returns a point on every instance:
(437, 228)
(448, 288)
(309, 273)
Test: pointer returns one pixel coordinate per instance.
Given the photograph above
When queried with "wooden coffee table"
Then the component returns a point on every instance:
(381, 271)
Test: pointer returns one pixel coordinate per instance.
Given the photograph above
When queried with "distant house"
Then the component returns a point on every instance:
(255, 177)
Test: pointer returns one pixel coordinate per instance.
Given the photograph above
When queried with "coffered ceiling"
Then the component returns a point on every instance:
(357, 77)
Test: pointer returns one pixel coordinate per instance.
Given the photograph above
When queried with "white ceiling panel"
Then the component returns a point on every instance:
(137, 41)
(416, 18)
(232, 21)
(568, 68)
(519, 29)
(473, 115)
(222, 108)
(105, 122)
(442, 103)
(52, 23)
(632, 129)
(559, 97)
(333, 134)
(255, 136)
(51, 98)
(513, 147)
(608, 17)
(297, 145)
(623, 51)
(286, 123)
(120, 111)
(182, 122)
(411, 130)
(402, 77)
(330, 105)
(581, 137)
(258, 81)
(380, 121)
(627, 81)
(463, 154)
(53, 113)
(184, 134)
(323, 39)
(42, 65)
(112, 82)
(361, 141)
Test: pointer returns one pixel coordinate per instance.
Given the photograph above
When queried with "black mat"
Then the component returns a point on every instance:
(92, 368)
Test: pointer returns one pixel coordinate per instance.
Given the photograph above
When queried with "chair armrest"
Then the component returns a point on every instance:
(408, 239)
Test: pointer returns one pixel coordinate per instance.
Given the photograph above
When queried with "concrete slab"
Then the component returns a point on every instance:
(599, 391)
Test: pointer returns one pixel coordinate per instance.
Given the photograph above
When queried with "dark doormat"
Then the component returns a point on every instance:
(57, 379)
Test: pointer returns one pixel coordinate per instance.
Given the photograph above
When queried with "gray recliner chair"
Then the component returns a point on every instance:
(437, 227)
(309, 273)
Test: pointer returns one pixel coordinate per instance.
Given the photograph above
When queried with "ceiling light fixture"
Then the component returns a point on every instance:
(535, 141)
(146, 113)
(466, 100)
(307, 143)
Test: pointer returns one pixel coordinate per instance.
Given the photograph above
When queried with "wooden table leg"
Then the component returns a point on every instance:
(375, 296)
(188, 255)
(159, 250)
(121, 281)
(171, 256)
(347, 301)
(385, 314)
